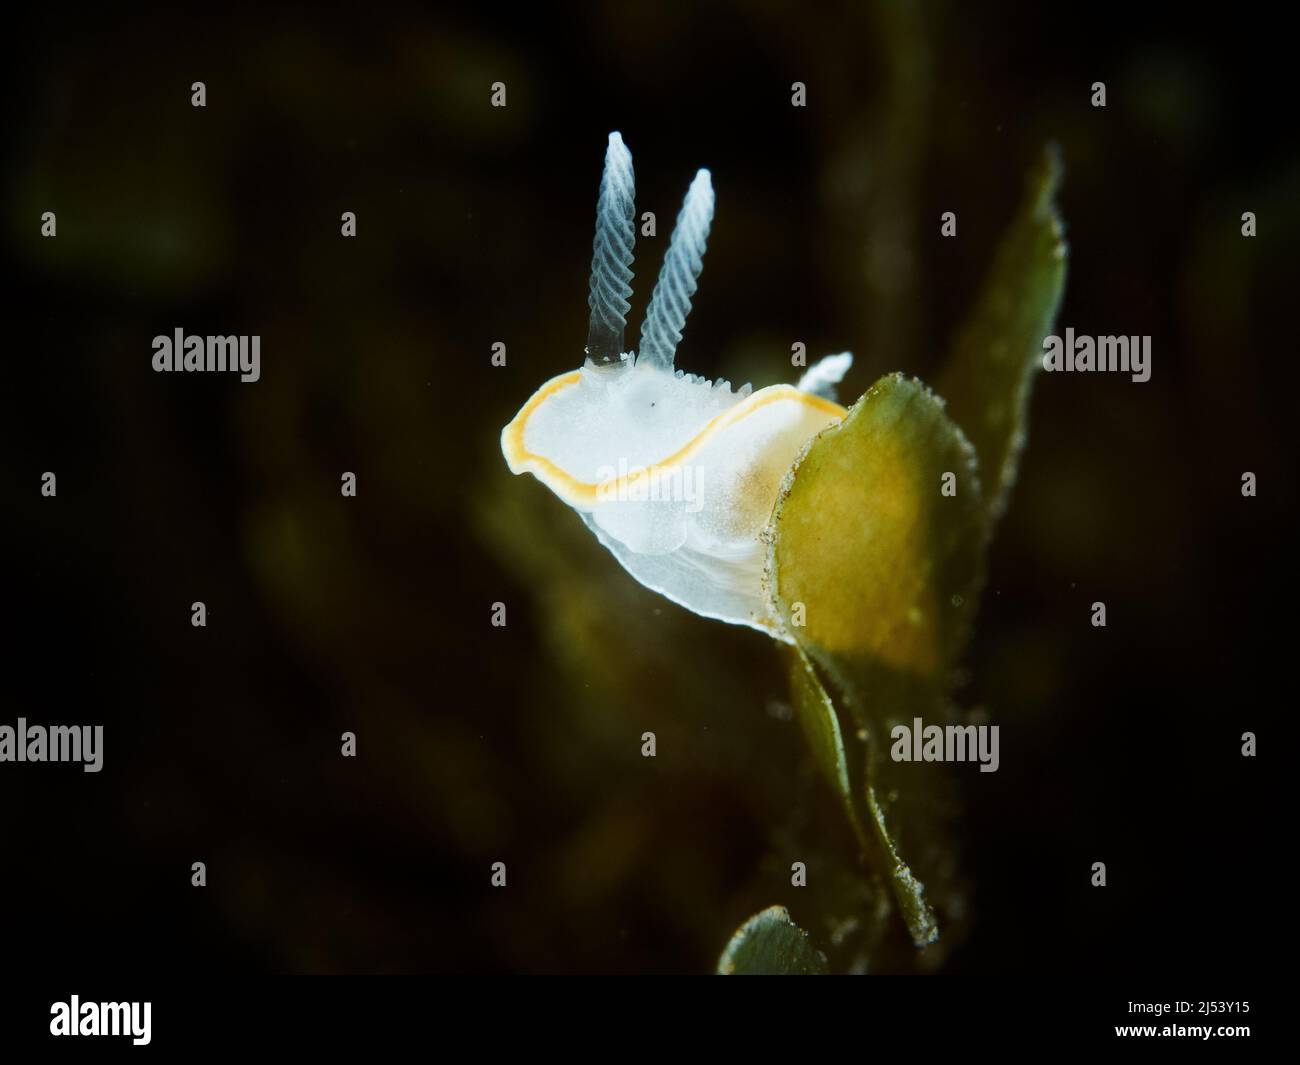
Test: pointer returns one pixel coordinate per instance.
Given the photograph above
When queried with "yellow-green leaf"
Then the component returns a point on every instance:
(821, 728)
(876, 554)
(873, 568)
(770, 944)
(990, 371)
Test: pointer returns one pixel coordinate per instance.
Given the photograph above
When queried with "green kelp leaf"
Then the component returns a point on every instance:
(922, 924)
(820, 721)
(874, 571)
(770, 944)
(821, 728)
(991, 368)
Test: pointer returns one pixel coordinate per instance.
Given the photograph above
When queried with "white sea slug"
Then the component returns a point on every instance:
(677, 476)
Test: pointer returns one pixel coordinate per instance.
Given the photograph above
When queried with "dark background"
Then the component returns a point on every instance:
(371, 614)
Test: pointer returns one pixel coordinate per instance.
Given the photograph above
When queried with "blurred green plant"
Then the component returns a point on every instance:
(876, 575)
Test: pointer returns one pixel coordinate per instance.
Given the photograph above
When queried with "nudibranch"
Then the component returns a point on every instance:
(677, 476)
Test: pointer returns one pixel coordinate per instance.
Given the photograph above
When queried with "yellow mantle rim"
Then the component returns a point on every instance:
(585, 493)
